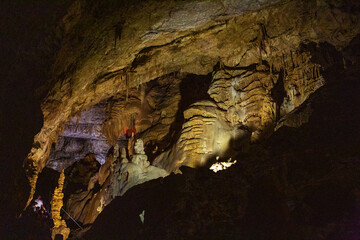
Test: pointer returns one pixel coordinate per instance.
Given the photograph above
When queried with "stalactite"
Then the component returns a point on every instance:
(344, 63)
(32, 181)
(284, 65)
(303, 75)
(137, 83)
(296, 60)
(142, 93)
(260, 54)
(127, 85)
(292, 59)
(62, 130)
(284, 73)
(318, 71)
(78, 117)
(314, 72)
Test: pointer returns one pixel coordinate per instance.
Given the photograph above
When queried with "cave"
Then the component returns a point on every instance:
(180, 119)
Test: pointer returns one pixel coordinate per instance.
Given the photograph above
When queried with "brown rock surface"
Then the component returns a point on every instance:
(301, 183)
(122, 61)
(95, 70)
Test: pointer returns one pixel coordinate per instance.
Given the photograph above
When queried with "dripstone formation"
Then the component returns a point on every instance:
(144, 96)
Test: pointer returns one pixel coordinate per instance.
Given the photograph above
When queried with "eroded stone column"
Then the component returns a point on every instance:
(56, 205)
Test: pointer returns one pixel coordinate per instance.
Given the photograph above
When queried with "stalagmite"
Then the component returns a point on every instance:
(56, 205)
(115, 171)
(137, 171)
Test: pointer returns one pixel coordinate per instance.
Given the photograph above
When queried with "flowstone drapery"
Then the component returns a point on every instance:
(128, 174)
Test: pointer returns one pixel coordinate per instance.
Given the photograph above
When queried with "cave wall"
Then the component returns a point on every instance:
(245, 102)
(253, 51)
(301, 183)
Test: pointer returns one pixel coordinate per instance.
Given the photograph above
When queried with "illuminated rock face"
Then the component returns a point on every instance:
(245, 101)
(81, 136)
(137, 171)
(252, 98)
(115, 177)
(257, 53)
(204, 133)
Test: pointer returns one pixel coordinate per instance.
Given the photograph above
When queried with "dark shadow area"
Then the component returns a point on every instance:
(183, 206)
(193, 88)
(47, 181)
(267, 211)
(25, 58)
(79, 174)
(320, 160)
(278, 93)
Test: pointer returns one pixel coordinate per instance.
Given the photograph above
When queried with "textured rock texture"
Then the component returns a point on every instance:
(56, 206)
(96, 70)
(81, 136)
(89, 191)
(258, 62)
(135, 172)
(302, 183)
(246, 100)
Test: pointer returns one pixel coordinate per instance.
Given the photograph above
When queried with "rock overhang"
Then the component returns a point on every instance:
(90, 68)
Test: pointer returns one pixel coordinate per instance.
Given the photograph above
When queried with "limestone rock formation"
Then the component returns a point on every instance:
(301, 183)
(82, 172)
(252, 98)
(259, 42)
(80, 137)
(152, 105)
(137, 171)
(119, 61)
(117, 173)
(203, 120)
(113, 179)
(86, 201)
(56, 206)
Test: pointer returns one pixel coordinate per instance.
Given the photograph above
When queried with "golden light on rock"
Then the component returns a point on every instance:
(198, 79)
(56, 205)
(219, 166)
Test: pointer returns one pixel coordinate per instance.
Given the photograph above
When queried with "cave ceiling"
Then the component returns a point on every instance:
(197, 76)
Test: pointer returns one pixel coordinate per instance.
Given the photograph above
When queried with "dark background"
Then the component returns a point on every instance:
(29, 40)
